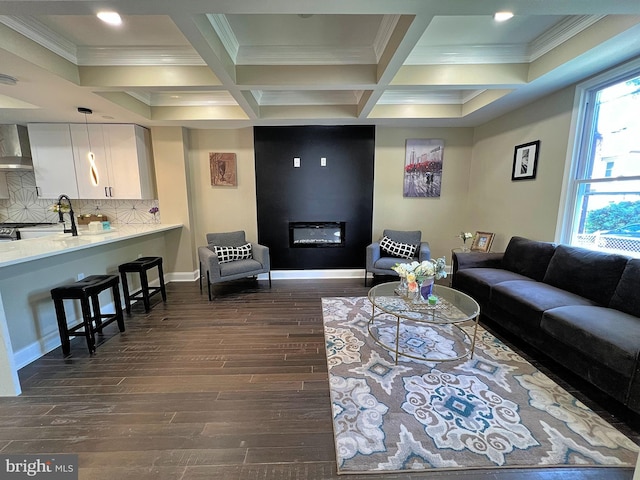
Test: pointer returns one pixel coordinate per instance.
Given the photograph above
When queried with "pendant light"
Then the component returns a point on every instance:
(93, 169)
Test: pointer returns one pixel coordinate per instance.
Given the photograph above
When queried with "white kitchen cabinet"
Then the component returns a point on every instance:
(4, 188)
(129, 162)
(83, 136)
(122, 157)
(53, 165)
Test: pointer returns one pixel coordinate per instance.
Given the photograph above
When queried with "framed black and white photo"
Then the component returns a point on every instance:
(525, 161)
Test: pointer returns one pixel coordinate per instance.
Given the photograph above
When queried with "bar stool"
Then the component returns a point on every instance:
(93, 319)
(141, 266)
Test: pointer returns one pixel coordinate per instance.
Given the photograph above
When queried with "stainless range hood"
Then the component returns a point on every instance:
(15, 151)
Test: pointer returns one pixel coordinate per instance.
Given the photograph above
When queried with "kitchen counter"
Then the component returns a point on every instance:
(30, 268)
(20, 251)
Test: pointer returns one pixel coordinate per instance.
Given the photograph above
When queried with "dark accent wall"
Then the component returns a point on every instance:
(342, 191)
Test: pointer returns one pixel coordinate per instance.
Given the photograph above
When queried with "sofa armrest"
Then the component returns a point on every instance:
(372, 254)
(476, 260)
(261, 254)
(209, 262)
(424, 252)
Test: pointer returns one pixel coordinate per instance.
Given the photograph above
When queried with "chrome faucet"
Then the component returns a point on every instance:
(73, 230)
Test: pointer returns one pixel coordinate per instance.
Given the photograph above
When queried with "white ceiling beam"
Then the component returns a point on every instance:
(402, 41)
(201, 34)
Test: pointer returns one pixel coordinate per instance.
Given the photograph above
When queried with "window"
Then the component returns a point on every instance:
(603, 191)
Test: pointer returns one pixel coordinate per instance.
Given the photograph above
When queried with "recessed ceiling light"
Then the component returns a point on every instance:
(502, 16)
(112, 18)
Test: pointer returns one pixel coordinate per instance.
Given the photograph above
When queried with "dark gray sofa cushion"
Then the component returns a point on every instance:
(527, 300)
(626, 297)
(528, 257)
(593, 275)
(411, 237)
(610, 337)
(478, 282)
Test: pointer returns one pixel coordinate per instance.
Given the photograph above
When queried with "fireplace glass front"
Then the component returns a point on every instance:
(316, 234)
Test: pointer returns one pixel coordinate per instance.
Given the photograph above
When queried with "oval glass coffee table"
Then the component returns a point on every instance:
(422, 331)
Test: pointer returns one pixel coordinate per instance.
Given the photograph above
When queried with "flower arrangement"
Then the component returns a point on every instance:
(416, 272)
(153, 211)
(421, 270)
(464, 236)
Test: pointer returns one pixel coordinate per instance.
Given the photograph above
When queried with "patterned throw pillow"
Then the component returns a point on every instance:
(397, 249)
(229, 254)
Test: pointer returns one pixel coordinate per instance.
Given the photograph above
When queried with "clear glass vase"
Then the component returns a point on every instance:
(425, 288)
(402, 289)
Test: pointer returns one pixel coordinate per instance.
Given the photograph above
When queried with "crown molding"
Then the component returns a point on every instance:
(297, 55)
(274, 98)
(417, 97)
(144, 97)
(506, 53)
(121, 56)
(42, 35)
(222, 27)
(560, 33)
(475, 54)
(387, 26)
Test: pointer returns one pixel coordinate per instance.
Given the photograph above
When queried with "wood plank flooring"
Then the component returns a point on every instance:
(231, 389)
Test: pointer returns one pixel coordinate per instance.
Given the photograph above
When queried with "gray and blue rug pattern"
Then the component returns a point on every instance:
(495, 410)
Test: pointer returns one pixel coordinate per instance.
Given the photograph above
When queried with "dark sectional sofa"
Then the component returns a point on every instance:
(579, 307)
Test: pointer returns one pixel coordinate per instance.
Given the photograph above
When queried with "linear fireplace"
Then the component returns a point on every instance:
(316, 234)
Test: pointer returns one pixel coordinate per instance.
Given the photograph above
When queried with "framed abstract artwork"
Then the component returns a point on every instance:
(423, 167)
(223, 168)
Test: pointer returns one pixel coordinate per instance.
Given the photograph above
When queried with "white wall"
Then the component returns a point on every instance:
(440, 219)
(527, 208)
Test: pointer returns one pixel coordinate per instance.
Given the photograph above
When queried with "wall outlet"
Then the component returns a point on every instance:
(80, 276)
(296, 162)
(323, 162)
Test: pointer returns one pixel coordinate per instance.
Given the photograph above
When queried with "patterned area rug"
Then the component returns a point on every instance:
(495, 410)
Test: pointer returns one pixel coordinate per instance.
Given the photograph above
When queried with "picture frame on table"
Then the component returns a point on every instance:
(482, 242)
(525, 161)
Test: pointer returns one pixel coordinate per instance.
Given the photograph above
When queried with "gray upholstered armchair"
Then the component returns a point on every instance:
(228, 256)
(379, 262)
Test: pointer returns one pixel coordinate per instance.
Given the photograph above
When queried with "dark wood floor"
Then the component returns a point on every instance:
(230, 389)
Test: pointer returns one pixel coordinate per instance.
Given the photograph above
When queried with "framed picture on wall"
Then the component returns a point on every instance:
(223, 168)
(482, 242)
(525, 161)
(423, 167)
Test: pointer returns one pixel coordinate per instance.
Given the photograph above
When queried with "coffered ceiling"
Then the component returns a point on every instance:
(208, 64)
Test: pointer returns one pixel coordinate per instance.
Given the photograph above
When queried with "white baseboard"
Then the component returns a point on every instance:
(181, 276)
(30, 353)
(51, 341)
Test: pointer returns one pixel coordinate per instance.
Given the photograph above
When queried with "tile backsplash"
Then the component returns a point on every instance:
(24, 205)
